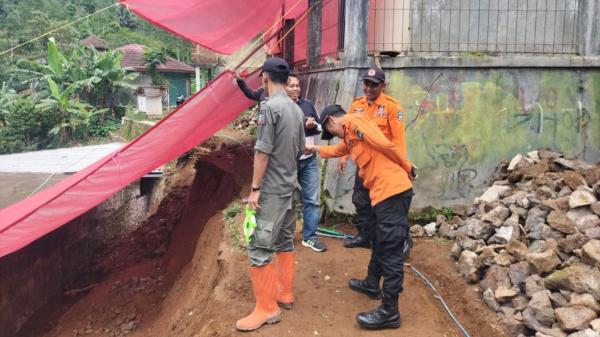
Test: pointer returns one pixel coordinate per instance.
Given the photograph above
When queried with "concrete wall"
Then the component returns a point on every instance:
(471, 110)
(131, 129)
(472, 119)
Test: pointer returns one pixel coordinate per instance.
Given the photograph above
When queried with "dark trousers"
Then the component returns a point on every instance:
(365, 222)
(391, 230)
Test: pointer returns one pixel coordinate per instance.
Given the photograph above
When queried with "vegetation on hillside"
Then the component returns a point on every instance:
(22, 20)
(55, 91)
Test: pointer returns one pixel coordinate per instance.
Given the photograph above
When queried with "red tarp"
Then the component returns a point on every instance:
(221, 26)
(205, 113)
(330, 28)
(301, 29)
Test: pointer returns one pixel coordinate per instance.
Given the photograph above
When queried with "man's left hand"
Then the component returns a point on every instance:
(310, 123)
(412, 175)
(253, 200)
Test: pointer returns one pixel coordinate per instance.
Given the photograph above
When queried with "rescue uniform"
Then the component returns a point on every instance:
(383, 167)
(387, 113)
(280, 134)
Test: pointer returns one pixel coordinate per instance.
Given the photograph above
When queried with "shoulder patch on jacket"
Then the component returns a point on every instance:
(260, 118)
(390, 98)
(400, 115)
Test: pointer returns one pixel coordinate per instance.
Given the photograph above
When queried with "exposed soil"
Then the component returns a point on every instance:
(199, 285)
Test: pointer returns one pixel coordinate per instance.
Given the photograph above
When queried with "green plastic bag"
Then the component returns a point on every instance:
(249, 224)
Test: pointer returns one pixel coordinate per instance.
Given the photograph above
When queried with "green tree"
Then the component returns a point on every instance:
(26, 126)
(7, 97)
(73, 115)
(152, 59)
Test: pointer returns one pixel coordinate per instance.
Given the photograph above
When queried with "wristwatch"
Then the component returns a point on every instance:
(255, 189)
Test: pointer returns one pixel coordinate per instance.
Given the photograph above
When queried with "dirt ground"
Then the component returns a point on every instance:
(214, 290)
(201, 285)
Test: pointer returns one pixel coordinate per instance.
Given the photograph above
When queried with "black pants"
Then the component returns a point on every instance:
(365, 222)
(391, 230)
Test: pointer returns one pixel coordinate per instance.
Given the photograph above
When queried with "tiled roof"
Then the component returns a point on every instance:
(133, 60)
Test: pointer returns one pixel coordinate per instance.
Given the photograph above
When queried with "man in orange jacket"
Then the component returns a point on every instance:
(388, 114)
(387, 175)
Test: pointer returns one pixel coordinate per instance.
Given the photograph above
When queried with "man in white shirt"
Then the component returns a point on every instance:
(309, 175)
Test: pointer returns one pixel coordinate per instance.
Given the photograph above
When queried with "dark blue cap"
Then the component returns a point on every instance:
(276, 65)
(329, 111)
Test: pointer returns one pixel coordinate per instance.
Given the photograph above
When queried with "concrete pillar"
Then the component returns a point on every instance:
(589, 28)
(355, 33)
(198, 86)
(315, 23)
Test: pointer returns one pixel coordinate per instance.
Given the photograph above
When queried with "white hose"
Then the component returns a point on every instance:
(439, 297)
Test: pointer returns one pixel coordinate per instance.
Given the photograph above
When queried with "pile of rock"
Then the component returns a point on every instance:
(532, 241)
(245, 121)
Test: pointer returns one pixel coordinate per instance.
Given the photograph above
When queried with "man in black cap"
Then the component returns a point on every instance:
(388, 175)
(308, 165)
(279, 144)
(388, 115)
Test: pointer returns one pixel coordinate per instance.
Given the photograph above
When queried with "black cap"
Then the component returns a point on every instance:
(275, 65)
(329, 111)
(375, 75)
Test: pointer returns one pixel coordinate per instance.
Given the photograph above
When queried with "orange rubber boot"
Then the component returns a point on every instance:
(264, 284)
(286, 270)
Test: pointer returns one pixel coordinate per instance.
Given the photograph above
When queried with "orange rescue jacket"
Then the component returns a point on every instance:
(381, 163)
(387, 113)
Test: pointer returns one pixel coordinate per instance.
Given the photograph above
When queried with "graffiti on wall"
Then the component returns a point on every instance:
(466, 122)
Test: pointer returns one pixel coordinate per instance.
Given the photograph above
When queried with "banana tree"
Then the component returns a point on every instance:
(73, 114)
(104, 82)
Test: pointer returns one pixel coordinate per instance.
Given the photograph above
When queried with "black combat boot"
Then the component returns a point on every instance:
(359, 240)
(386, 316)
(368, 286)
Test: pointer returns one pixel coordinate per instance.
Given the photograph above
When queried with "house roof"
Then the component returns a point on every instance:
(133, 60)
(95, 42)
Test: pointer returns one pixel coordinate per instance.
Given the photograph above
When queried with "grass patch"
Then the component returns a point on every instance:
(229, 216)
(136, 115)
(429, 214)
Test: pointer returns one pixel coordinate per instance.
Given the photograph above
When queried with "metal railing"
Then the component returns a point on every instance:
(474, 26)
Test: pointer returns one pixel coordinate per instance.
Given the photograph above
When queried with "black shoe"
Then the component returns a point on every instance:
(408, 244)
(357, 241)
(386, 316)
(367, 287)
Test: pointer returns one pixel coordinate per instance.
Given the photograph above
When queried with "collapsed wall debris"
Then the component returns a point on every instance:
(531, 242)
